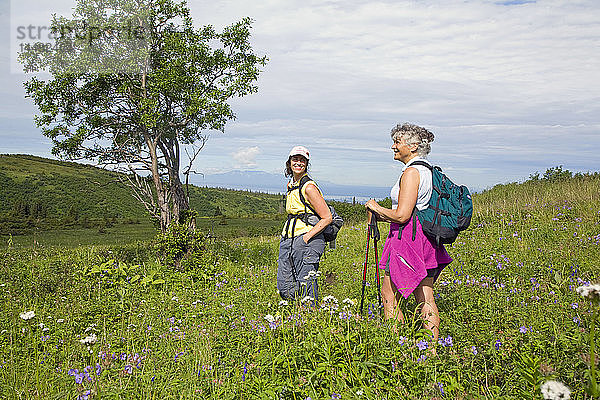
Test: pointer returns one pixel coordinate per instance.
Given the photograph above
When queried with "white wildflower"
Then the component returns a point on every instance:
(590, 291)
(311, 274)
(89, 340)
(330, 298)
(60, 320)
(307, 299)
(26, 316)
(283, 303)
(554, 390)
(269, 318)
(348, 301)
(175, 298)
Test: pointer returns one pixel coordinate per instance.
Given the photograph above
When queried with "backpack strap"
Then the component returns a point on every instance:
(290, 258)
(423, 163)
(307, 206)
(414, 211)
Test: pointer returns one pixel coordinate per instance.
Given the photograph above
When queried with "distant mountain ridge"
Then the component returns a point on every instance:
(276, 183)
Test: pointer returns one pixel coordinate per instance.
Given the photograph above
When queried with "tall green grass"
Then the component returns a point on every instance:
(213, 326)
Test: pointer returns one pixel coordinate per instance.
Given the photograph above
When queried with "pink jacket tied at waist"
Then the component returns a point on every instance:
(410, 260)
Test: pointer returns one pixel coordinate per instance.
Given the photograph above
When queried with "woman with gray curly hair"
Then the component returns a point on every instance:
(412, 263)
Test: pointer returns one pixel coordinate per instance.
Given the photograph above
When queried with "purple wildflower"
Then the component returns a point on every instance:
(370, 312)
(523, 329)
(347, 315)
(136, 359)
(85, 395)
(498, 344)
(446, 342)
(422, 344)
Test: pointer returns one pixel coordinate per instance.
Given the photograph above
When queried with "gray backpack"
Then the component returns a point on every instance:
(310, 217)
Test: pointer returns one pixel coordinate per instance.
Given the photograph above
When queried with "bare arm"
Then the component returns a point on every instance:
(407, 199)
(316, 200)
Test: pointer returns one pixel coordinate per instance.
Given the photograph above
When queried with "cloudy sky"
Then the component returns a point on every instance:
(508, 87)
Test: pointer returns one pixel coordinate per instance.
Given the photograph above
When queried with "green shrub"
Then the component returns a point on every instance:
(178, 242)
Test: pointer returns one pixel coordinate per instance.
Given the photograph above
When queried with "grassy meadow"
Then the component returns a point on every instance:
(134, 320)
(126, 233)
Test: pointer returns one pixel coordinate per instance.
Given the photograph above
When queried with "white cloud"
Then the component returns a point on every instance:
(246, 157)
(507, 89)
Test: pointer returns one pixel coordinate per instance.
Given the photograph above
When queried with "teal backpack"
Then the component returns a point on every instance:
(450, 208)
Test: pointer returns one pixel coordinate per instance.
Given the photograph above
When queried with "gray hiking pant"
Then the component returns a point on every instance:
(296, 260)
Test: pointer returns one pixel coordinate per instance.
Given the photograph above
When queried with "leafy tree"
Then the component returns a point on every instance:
(134, 86)
(553, 174)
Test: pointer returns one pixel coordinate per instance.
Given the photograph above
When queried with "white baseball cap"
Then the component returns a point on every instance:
(299, 151)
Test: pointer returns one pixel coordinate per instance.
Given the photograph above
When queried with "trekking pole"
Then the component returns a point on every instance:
(374, 229)
(364, 282)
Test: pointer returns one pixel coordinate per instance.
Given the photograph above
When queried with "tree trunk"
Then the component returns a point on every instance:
(162, 193)
(179, 201)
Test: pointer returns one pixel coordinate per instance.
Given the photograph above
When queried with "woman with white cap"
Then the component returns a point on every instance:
(302, 243)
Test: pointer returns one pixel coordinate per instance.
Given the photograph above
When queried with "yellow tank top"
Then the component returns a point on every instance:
(293, 205)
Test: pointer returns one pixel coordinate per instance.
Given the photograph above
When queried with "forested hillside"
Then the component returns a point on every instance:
(36, 191)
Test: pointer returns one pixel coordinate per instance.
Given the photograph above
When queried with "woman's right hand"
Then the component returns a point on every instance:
(371, 205)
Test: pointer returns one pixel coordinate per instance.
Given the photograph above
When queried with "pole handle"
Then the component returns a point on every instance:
(373, 228)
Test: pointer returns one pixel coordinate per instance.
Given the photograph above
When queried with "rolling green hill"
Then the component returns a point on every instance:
(35, 190)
